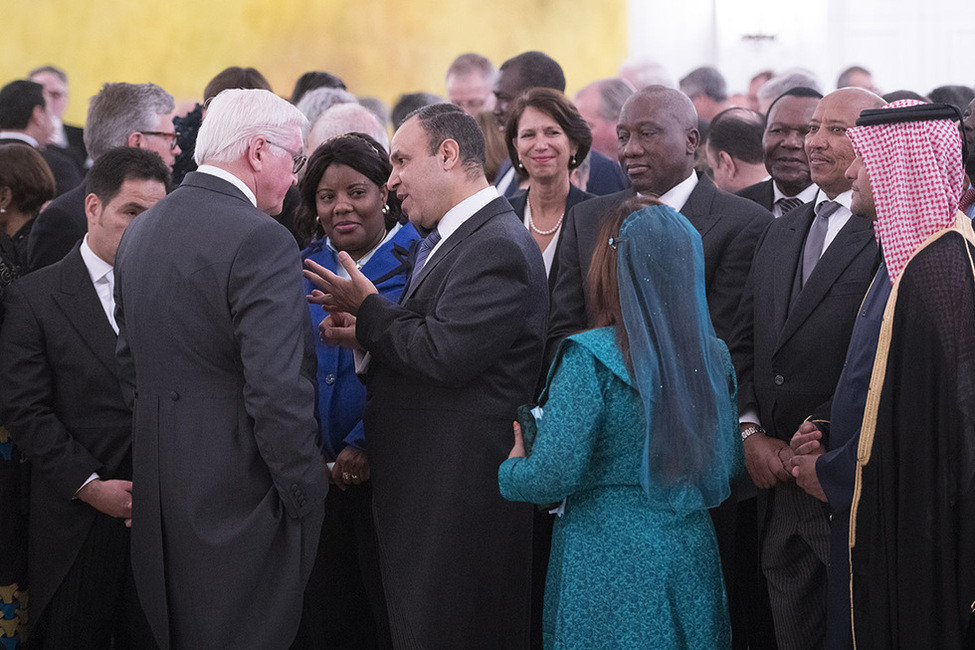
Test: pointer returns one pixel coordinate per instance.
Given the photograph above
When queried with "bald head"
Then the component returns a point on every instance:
(829, 151)
(657, 139)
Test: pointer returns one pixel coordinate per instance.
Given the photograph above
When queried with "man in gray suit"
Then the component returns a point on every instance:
(228, 484)
(449, 366)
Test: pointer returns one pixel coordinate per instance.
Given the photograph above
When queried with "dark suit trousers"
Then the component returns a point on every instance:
(795, 554)
(344, 604)
(96, 605)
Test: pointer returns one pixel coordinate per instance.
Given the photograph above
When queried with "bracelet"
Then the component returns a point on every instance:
(750, 430)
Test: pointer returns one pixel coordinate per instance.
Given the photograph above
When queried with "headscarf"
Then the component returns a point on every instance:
(916, 174)
(680, 367)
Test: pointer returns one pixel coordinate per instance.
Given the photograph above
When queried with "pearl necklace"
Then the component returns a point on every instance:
(531, 224)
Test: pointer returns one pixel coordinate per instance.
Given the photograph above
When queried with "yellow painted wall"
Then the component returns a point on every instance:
(379, 47)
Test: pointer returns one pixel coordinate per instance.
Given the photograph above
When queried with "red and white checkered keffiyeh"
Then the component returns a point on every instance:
(916, 174)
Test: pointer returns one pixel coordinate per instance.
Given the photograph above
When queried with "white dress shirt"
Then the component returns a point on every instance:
(230, 178)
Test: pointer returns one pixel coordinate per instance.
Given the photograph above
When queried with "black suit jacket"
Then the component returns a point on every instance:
(57, 229)
(450, 365)
(63, 405)
(761, 193)
(730, 226)
(575, 196)
(789, 351)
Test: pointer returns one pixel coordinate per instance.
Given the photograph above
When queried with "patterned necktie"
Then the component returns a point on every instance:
(785, 203)
(816, 237)
(422, 254)
(967, 200)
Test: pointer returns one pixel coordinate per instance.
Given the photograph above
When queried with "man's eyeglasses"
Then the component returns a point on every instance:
(162, 134)
(297, 158)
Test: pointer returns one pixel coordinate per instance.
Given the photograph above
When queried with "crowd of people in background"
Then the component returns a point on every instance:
(260, 357)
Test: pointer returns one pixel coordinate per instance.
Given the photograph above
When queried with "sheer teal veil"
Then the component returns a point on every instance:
(680, 367)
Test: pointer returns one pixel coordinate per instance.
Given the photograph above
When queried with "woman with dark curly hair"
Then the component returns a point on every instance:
(344, 189)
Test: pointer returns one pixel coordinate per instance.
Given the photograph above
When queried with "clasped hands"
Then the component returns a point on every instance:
(772, 462)
(340, 298)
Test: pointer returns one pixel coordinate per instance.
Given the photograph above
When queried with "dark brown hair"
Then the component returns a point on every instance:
(29, 178)
(559, 108)
(602, 289)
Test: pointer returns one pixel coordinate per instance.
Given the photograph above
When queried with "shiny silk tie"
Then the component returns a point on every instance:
(422, 254)
(816, 238)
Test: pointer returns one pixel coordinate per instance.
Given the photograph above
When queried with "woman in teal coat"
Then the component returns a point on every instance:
(637, 436)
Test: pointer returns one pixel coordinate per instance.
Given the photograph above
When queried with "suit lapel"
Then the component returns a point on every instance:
(697, 208)
(78, 300)
(855, 235)
(494, 208)
(787, 254)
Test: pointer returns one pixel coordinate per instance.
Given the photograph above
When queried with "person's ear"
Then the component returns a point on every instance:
(93, 209)
(449, 153)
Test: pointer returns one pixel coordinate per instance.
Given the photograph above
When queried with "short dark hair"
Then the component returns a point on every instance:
(449, 122)
(358, 151)
(17, 101)
(894, 95)
(957, 96)
(798, 91)
(314, 79)
(23, 170)
(707, 81)
(536, 70)
(408, 103)
(559, 108)
(115, 166)
(738, 132)
(234, 77)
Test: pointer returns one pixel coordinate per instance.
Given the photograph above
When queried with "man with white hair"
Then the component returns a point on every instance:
(346, 118)
(214, 354)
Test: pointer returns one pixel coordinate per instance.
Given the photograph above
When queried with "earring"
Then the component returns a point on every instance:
(572, 160)
(386, 208)
(520, 166)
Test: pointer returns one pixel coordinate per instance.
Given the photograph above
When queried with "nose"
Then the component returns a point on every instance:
(630, 148)
(793, 139)
(393, 181)
(814, 140)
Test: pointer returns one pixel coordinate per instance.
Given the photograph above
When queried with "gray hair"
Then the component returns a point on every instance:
(316, 101)
(121, 109)
(236, 115)
(347, 118)
(472, 62)
(707, 81)
(613, 93)
(641, 73)
(787, 80)
(57, 72)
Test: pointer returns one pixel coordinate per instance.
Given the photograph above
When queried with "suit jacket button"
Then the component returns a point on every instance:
(330, 378)
(174, 396)
(779, 380)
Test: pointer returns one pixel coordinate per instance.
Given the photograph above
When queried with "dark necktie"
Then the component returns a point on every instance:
(816, 237)
(967, 200)
(422, 254)
(786, 203)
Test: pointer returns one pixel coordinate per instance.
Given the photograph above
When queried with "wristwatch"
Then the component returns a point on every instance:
(751, 429)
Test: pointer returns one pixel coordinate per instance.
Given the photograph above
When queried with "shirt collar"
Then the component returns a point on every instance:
(677, 196)
(18, 135)
(230, 178)
(362, 261)
(805, 196)
(464, 210)
(97, 267)
(844, 199)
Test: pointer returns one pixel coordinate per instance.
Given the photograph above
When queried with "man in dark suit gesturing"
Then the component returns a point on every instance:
(448, 367)
(65, 410)
(228, 493)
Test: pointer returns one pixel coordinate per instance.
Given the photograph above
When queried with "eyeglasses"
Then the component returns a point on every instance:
(297, 158)
(172, 137)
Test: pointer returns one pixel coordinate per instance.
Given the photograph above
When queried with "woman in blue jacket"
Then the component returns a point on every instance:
(344, 188)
